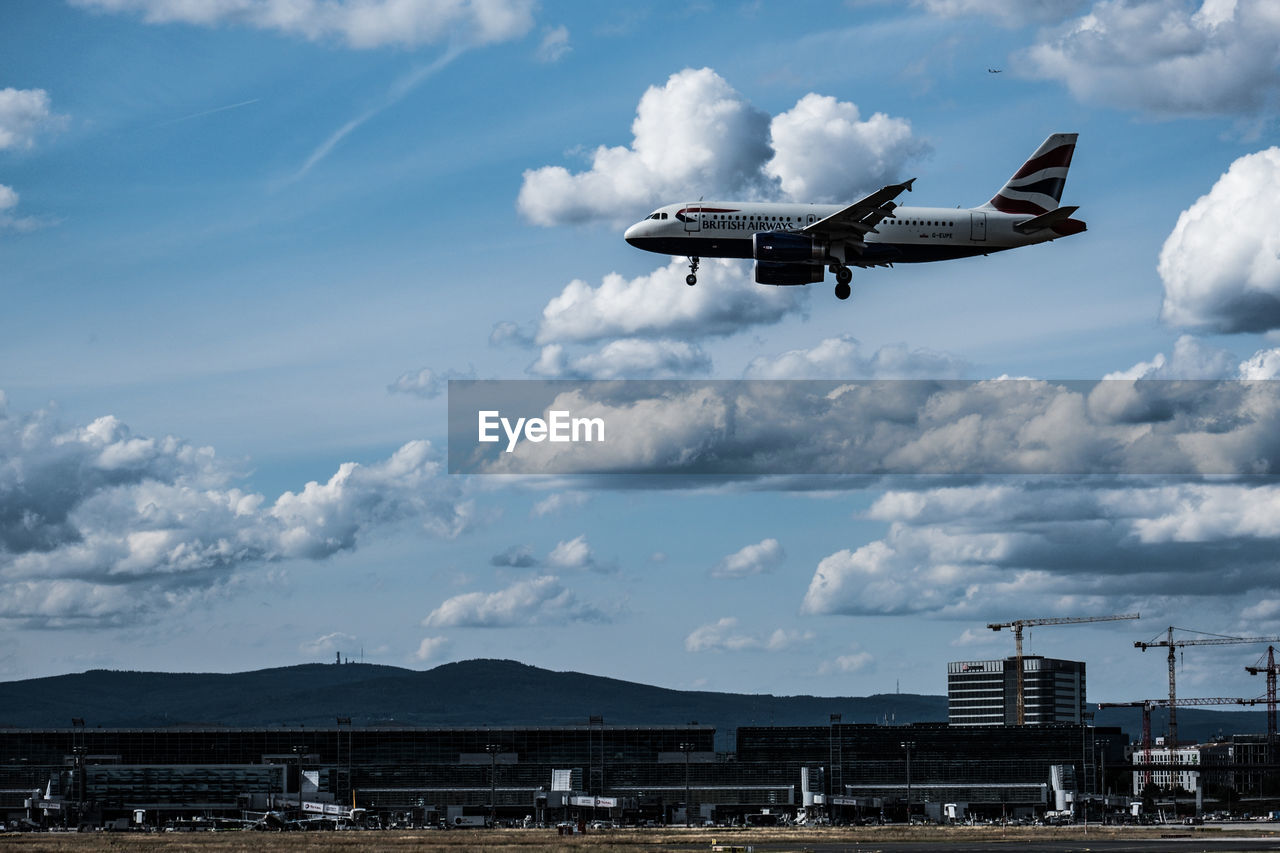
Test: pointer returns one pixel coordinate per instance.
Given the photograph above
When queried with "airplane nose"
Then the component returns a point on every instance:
(632, 233)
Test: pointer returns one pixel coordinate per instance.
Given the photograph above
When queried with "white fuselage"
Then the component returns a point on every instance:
(912, 235)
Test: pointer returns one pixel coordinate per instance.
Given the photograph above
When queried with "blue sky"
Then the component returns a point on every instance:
(243, 244)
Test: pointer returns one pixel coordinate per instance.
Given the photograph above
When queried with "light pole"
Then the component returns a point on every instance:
(493, 749)
(298, 751)
(343, 721)
(908, 745)
(686, 748)
(78, 751)
(1082, 782)
(831, 764)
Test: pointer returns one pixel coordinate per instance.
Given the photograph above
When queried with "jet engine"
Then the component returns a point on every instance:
(785, 247)
(768, 272)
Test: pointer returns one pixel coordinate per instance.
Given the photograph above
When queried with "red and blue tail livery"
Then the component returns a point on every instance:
(1036, 188)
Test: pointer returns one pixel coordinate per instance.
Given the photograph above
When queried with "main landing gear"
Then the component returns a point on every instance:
(844, 275)
(692, 278)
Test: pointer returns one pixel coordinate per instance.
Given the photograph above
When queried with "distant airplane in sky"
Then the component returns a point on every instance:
(793, 243)
(994, 70)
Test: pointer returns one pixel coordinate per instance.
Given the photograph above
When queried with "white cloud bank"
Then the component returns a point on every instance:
(101, 526)
(1166, 57)
(1055, 548)
(1078, 546)
(358, 23)
(696, 136)
(1012, 13)
(937, 427)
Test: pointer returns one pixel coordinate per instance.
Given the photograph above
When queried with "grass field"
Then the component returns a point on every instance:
(604, 841)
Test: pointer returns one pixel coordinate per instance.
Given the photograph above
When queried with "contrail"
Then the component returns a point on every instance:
(398, 90)
(206, 113)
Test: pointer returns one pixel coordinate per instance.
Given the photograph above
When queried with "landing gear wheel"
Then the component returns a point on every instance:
(843, 290)
(692, 278)
(844, 275)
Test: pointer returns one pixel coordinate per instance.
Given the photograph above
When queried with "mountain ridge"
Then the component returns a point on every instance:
(479, 692)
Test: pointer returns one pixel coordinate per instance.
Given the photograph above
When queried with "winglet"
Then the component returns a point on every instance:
(909, 183)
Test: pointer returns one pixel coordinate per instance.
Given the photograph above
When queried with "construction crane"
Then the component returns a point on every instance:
(1147, 704)
(1018, 624)
(1270, 670)
(1172, 644)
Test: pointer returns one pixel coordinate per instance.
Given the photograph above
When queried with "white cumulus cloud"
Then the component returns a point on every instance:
(572, 554)
(425, 382)
(24, 113)
(852, 662)
(723, 636)
(695, 134)
(554, 45)
(625, 358)
(697, 137)
(1191, 359)
(764, 556)
(327, 643)
(557, 503)
(9, 201)
(1221, 264)
(823, 151)
(540, 600)
(843, 358)
(661, 305)
(431, 648)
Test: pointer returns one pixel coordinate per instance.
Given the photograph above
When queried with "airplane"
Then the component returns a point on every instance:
(995, 70)
(791, 244)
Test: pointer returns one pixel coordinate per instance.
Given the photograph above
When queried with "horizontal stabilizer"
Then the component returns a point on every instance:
(1045, 220)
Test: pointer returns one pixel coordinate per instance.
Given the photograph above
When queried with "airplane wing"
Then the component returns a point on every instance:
(859, 218)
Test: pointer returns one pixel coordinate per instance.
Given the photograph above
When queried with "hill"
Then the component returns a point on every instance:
(471, 693)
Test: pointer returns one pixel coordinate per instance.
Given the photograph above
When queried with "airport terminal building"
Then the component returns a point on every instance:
(621, 773)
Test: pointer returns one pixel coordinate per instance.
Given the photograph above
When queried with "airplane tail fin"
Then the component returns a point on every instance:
(1036, 188)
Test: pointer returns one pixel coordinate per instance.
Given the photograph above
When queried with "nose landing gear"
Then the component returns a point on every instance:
(692, 278)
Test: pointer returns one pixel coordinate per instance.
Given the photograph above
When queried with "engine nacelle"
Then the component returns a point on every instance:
(785, 247)
(768, 272)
